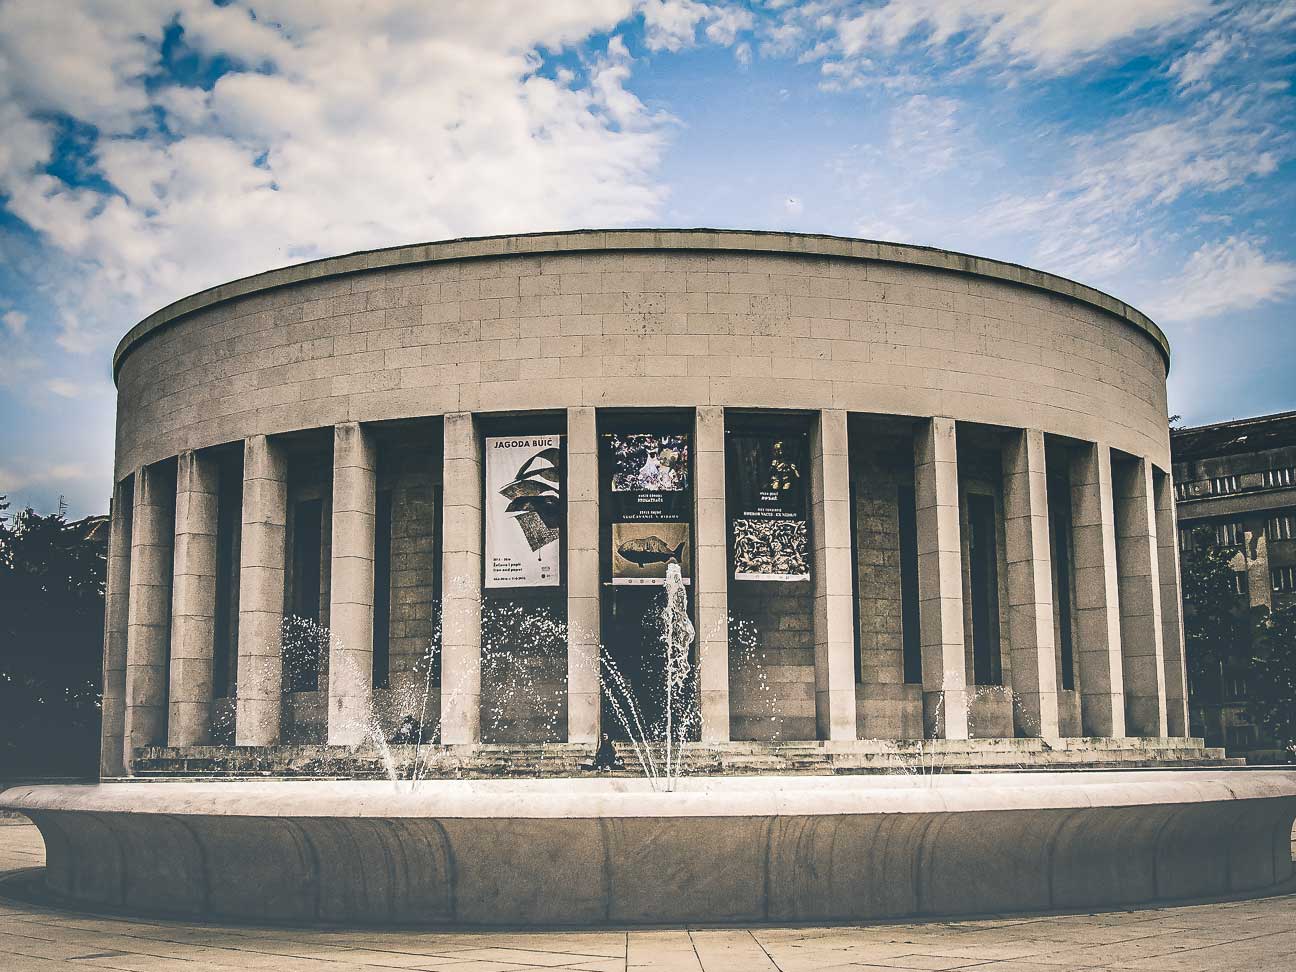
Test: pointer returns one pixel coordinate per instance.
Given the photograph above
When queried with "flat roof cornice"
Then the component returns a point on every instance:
(576, 241)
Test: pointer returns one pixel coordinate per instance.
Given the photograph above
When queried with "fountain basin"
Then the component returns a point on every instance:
(596, 851)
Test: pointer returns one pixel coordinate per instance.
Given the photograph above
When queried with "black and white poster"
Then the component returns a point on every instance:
(768, 506)
(524, 510)
(650, 498)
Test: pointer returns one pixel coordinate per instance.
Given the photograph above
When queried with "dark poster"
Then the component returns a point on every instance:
(768, 506)
(650, 498)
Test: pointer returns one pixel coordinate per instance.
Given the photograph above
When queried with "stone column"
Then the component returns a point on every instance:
(834, 600)
(584, 618)
(148, 625)
(261, 592)
(1097, 608)
(1030, 586)
(461, 580)
(940, 580)
(711, 572)
(1142, 650)
(1172, 637)
(116, 601)
(351, 590)
(193, 601)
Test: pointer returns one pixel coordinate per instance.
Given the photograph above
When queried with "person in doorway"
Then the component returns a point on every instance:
(605, 757)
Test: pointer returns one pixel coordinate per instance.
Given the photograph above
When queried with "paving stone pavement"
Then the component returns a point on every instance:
(1256, 936)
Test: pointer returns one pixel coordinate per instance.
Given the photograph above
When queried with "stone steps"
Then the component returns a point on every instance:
(742, 758)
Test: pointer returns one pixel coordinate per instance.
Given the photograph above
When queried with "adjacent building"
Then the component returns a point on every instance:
(1235, 486)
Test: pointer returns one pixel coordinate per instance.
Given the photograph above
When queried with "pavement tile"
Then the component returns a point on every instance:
(521, 956)
(661, 950)
(731, 950)
(1243, 936)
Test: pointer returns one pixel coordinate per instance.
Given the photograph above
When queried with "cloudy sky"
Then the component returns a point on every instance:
(152, 148)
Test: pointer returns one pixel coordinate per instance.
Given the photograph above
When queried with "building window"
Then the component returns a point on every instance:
(1186, 539)
(1229, 534)
(910, 612)
(382, 589)
(1223, 485)
(1059, 511)
(302, 637)
(1237, 687)
(983, 576)
(1240, 584)
(1281, 526)
(1280, 477)
(1181, 491)
(1240, 736)
(1284, 579)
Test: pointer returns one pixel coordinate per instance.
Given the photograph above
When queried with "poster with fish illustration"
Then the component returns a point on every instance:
(641, 551)
(524, 510)
(649, 501)
(767, 503)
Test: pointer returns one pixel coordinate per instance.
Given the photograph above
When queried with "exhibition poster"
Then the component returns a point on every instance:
(767, 506)
(524, 510)
(651, 500)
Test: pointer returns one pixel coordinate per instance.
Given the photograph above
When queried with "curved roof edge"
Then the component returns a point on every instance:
(576, 241)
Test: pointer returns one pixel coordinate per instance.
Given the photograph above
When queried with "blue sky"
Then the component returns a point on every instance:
(155, 148)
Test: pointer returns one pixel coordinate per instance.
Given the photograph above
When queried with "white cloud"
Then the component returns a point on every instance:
(15, 322)
(1232, 275)
(33, 472)
(355, 126)
(1108, 203)
(64, 388)
(1047, 36)
(1246, 31)
(672, 25)
(727, 23)
(924, 132)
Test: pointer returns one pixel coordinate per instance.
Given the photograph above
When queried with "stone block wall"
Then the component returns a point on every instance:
(771, 661)
(410, 471)
(981, 473)
(881, 467)
(524, 667)
(305, 712)
(392, 337)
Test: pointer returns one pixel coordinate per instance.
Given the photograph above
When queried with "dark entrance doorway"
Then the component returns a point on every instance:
(632, 646)
(646, 514)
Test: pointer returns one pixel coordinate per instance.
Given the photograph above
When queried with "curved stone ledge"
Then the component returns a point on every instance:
(578, 241)
(556, 852)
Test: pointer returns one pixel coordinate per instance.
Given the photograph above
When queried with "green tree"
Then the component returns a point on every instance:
(1216, 622)
(1273, 694)
(51, 641)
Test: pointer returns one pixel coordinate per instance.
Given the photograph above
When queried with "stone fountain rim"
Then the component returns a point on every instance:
(583, 798)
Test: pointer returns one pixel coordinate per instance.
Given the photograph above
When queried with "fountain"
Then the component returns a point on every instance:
(665, 847)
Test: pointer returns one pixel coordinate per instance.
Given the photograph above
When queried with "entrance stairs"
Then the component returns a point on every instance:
(531, 760)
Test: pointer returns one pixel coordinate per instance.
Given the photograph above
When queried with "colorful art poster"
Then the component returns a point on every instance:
(524, 510)
(768, 506)
(641, 551)
(649, 495)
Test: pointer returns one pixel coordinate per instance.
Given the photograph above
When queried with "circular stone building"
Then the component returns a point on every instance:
(915, 494)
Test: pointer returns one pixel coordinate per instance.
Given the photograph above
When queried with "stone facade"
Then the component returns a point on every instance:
(932, 388)
(1234, 486)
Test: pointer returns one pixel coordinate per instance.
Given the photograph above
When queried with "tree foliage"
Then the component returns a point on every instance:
(1215, 619)
(1273, 693)
(1222, 632)
(51, 641)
